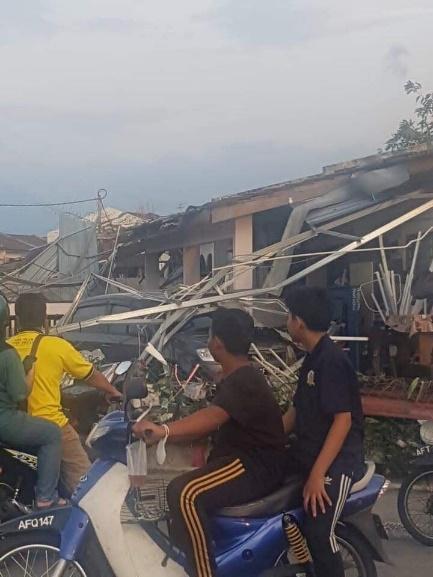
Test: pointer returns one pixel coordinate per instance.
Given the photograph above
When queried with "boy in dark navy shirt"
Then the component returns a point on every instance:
(328, 422)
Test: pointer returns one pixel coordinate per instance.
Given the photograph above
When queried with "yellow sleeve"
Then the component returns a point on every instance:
(75, 364)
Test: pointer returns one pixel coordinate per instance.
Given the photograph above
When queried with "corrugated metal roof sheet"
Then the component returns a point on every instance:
(77, 247)
(20, 242)
(64, 264)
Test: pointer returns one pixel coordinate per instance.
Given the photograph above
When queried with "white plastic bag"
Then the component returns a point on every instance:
(136, 459)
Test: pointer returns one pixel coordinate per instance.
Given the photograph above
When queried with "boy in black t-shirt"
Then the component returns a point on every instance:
(328, 421)
(247, 457)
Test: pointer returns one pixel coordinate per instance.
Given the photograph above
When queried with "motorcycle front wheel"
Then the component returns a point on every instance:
(355, 553)
(37, 554)
(415, 506)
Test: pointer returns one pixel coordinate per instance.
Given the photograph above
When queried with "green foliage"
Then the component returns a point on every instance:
(384, 440)
(418, 130)
(388, 442)
(171, 399)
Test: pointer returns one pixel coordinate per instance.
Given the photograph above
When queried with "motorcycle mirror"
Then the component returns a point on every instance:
(122, 368)
(136, 389)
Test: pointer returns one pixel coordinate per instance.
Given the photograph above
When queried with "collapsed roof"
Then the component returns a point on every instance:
(340, 190)
(59, 267)
(370, 186)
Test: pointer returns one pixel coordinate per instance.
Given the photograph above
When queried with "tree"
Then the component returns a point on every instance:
(420, 129)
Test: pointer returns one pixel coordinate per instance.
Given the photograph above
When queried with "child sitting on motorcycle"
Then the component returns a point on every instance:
(20, 430)
(247, 457)
(328, 421)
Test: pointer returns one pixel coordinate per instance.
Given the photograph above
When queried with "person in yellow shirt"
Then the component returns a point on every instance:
(55, 357)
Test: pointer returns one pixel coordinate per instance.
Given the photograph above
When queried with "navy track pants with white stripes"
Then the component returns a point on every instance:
(319, 531)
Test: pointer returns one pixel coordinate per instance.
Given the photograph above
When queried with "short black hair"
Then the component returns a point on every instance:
(235, 328)
(31, 310)
(312, 305)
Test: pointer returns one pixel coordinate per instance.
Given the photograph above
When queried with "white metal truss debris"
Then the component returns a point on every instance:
(199, 300)
(393, 299)
(82, 291)
(364, 185)
(282, 247)
(210, 292)
(406, 298)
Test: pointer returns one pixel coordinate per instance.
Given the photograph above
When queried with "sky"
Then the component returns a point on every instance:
(168, 104)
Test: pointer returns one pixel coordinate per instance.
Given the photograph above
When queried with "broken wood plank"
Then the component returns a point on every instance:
(396, 408)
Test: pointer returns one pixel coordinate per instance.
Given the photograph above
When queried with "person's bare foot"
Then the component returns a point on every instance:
(48, 504)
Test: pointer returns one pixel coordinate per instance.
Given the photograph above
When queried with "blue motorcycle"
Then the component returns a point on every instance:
(112, 530)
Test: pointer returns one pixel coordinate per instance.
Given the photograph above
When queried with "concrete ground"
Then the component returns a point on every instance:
(410, 558)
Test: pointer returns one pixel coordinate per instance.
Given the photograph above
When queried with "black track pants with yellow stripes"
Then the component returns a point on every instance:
(195, 496)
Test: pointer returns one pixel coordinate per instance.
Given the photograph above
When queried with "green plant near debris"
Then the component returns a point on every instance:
(383, 436)
(175, 400)
(389, 443)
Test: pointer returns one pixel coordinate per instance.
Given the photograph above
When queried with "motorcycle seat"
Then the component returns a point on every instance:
(27, 451)
(288, 496)
(4, 445)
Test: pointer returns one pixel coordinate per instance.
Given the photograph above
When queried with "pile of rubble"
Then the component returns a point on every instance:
(183, 303)
(171, 389)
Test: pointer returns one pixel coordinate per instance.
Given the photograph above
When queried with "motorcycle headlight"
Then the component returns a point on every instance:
(98, 431)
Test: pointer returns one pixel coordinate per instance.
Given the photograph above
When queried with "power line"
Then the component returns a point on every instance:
(49, 204)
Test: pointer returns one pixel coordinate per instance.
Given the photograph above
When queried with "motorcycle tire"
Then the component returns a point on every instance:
(350, 541)
(405, 517)
(33, 542)
(354, 550)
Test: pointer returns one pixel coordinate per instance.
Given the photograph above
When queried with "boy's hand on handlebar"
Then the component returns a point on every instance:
(148, 431)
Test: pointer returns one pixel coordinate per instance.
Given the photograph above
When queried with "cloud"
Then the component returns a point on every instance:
(114, 25)
(396, 61)
(182, 178)
(292, 22)
(24, 18)
(157, 104)
(270, 22)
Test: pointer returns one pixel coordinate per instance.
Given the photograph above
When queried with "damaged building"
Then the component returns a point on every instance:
(360, 228)
(320, 213)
